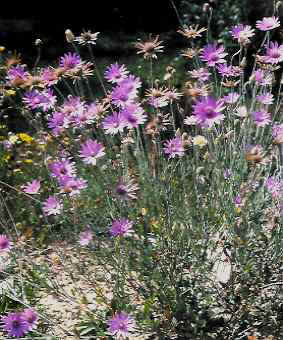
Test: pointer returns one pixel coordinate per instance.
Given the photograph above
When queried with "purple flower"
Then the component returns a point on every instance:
(17, 75)
(231, 98)
(213, 54)
(113, 124)
(277, 133)
(268, 23)
(32, 187)
(49, 76)
(174, 147)
(132, 116)
(121, 325)
(91, 151)
(69, 61)
(31, 317)
(262, 78)
(274, 186)
(122, 227)
(266, 98)
(126, 91)
(57, 122)
(228, 70)
(16, 325)
(242, 33)
(227, 173)
(274, 53)
(261, 118)
(44, 100)
(238, 201)
(201, 74)
(72, 185)
(115, 73)
(208, 111)
(52, 206)
(85, 237)
(5, 243)
(62, 168)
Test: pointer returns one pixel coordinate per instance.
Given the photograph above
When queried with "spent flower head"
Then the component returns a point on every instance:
(150, 47)
(87, 37)
(126, 190)
(192, 31)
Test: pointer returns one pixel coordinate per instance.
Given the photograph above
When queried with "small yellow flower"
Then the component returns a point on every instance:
(200, 141)
(28, 161)
(6, 158)
(2, 49)
(25, 137)
(10, 92)
(13, 139)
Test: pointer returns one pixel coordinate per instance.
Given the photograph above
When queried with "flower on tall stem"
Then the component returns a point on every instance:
(174, 147)
(274, 53)
(207, 111)
(268, 23)
(113, 124)
(242, 33)
(126, 190)
(122, 227)
(192, 31)
(213, 54)
(91, 151)
(52, 206)
(261, 118)
(115, 73)
(86, 38)
(32, 187)
(277, 133)
(150, 47)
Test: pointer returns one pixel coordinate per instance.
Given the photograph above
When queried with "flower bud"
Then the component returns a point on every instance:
(69, 36)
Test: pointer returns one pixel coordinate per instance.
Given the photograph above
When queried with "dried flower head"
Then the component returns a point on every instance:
(87, 38)
(150, 47)
(254, 153)
(126, 190)
(192, 32)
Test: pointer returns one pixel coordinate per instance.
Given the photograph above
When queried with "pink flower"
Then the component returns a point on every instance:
(274, 53)
(242, 33)
(207, 111)
(15, 325)
(200, 74)
(274, 186)
(122, 227)
(72, 185)
(85, 237)
(174, 147)
(52, 206)
(91, 151)
(115, 73)
(132, 116)
(231, 98)
(121, 325)
(32, 187)
(31, 317)
(266, 99)
(261, 118)
(213, 54)
(268, 23)
(5, 243)
(113, 124)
